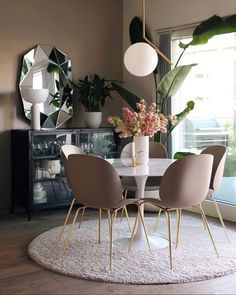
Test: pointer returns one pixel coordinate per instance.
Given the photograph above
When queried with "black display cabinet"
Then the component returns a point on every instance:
(38, 179)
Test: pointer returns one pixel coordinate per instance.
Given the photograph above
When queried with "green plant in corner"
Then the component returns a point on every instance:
(172, 81)
(93, 91)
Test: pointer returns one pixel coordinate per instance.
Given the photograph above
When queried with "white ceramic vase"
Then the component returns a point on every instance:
(92, 119)
(141, 144)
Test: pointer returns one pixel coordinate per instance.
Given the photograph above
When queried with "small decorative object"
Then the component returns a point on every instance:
(52, 166)
(93, 92)
(141, 125)
(35, 97)
(39, 193)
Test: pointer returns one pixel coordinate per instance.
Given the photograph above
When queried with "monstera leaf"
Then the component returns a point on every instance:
(211, 27)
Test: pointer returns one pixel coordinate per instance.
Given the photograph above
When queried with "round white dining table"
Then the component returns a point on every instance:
(155, 167)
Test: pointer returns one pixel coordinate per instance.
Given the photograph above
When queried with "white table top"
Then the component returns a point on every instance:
(155, 167)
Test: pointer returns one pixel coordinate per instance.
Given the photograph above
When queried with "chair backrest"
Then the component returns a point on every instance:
(66, 150)
(94, 181)
(186, 181)
(156, 150)
(219, 154)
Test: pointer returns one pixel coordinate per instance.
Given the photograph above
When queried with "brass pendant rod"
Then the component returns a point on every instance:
(146, 39)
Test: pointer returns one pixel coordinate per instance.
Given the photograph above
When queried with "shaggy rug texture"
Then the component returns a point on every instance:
(194, 260)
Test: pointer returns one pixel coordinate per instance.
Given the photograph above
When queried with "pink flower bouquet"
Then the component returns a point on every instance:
(147, 121)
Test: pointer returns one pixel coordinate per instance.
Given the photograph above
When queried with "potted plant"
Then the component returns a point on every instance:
(93, 91)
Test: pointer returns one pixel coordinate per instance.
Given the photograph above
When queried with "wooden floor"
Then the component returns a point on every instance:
(20, 275)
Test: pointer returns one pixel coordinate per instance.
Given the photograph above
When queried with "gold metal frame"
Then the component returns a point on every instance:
(124, 209)
(111, 218)
(205, 222)
(139, 213)
(146, 39)
(221, 219)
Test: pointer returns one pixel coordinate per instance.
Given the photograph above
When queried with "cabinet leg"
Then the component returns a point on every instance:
(28, 214)
(12, 208)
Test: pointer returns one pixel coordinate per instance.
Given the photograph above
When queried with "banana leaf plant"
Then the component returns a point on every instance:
(172, 81)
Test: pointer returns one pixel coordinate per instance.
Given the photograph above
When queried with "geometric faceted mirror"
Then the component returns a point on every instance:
(46, 67)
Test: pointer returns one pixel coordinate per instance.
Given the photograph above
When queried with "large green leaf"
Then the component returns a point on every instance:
(180, 155)
(180, 117)
(128, 96)
(207, 29)
(172, 81)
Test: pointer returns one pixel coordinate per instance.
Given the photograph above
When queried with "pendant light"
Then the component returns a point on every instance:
(141, 58)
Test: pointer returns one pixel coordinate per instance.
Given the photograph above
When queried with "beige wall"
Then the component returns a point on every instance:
(88, 31)
(162, 14)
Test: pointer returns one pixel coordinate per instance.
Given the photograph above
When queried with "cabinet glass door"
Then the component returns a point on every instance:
(101, 142)
(49, 181)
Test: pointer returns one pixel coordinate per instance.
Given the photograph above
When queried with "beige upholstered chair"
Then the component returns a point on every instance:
(95, 184)
(66, 150)
(219, 153)
(184, 184)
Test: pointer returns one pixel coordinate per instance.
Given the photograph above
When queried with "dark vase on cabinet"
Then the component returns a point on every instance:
(38, 179)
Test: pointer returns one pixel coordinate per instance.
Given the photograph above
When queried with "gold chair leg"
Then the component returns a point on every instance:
(65, 222)
(145, 229)
(82, 216)
(133, 232)
(109, 218)
(127, 217)
(123, 210)
(204, 224)
(70, 232)
(179, 215)
(115, 215)
(169, 234)
(158, 218)
(208, 228)
(99, 226)
(111, 236)
(221, 220)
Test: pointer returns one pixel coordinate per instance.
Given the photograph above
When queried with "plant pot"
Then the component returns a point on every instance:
(92, 119)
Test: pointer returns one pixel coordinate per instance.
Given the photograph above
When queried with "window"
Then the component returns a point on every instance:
(212, 86)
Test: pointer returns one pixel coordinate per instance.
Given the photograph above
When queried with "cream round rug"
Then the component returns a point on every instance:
(194, 260)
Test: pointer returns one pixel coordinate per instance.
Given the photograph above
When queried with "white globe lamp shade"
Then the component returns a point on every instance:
(36, 97)
(140, 59)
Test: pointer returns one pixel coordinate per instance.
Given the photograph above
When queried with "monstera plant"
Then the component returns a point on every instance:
(172, 81)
